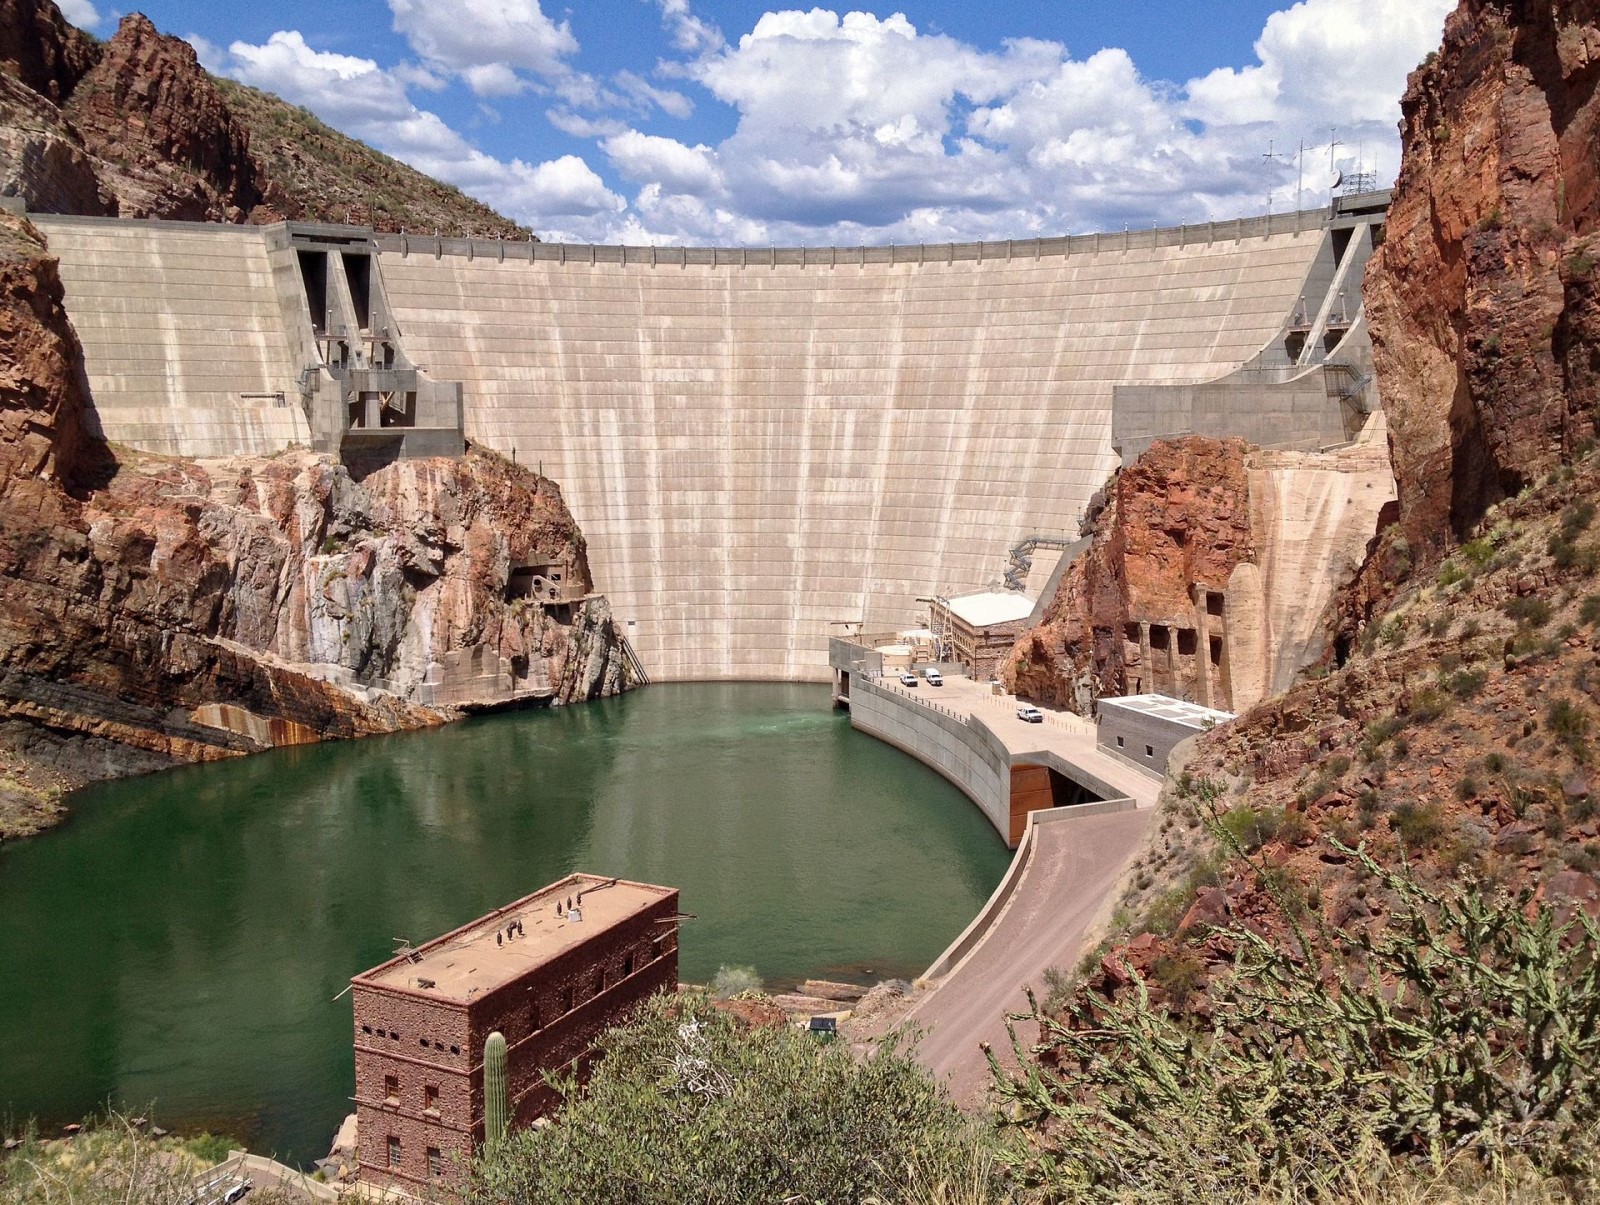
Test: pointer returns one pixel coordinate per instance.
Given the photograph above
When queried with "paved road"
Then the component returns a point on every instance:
(1075, 864)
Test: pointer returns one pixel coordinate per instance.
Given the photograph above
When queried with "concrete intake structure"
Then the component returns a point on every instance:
(759, 445)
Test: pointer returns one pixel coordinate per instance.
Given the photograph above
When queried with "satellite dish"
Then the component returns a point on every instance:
(1335, 180)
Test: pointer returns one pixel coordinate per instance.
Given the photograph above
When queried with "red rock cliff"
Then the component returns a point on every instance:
(160, 610)
(1482, 300)
(167, 143)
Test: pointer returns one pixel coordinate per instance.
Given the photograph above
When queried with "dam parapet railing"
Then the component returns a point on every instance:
(590, 254)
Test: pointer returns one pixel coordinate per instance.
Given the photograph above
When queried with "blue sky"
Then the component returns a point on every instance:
(672, 121)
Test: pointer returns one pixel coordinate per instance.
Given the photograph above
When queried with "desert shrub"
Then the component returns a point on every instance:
(1427, 704)
(1393, 633)
(1450, 573)
(1378, 733)
(1589, 609)
(1576, 518)
(1180, 975)
(1250, 828)
(1530, 610)
(1464, 1028)
(1466, 683)
(1418, 825)
(687, 1105)
(729, 982)
(1294, 829)
(1568, 723)
(1479, 552)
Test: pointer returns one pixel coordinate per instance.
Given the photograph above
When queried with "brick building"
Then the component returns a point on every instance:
(549, 983)
(978, 630)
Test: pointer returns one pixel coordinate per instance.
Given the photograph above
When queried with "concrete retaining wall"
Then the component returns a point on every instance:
(964, 751)
(759, 445)
(972, 936)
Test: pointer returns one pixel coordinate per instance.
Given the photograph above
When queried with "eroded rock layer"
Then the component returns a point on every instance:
(1211, 577)
(159, 610)
(1482, 300)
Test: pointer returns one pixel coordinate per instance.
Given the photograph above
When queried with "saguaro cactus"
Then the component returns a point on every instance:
(496, 1093)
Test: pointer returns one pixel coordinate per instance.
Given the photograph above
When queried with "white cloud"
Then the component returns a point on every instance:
(690, 34)
(485, 40)
(663, 161)
(857, 126)
(367, 102)
(81, 13)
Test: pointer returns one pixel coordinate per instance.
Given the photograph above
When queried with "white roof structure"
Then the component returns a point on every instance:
(1162, 707)
(991, 607)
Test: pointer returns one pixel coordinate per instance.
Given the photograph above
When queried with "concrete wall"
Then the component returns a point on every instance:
(1139, 731)
(759, 446)
(965, 752)
(180, 322)
(755, 443)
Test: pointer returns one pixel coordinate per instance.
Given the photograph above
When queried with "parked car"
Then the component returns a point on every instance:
(908, 679)
(1030, 714)
(933, 676)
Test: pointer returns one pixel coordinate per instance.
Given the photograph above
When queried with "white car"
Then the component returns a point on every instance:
(1030, 714)
(934, 678)
(908, 679)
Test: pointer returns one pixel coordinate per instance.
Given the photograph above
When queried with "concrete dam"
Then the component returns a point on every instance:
(761, 445)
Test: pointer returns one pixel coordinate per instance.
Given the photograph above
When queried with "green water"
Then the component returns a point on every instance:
(182, 940)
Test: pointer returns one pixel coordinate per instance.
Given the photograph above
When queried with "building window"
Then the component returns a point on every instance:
(533, 1018)
(366, 1029)
(1120, 742)
(391, 1089)
(430, 1097)
(435, 1162)
(567, 1001)
(1149, 750)
(424, 1042)
(394, 1151)
(455, 1049)
(627, 966)
(655, 948)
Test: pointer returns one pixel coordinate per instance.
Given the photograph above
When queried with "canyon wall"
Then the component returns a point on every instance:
(158, 610)
(1213, 575)
(1482, 300)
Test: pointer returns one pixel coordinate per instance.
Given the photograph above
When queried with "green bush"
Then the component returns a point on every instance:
(1250, 828)
(729, 982)
(1530, 610)
(1589, 609)
(1468, 1027)
(687, 1105)
(1466, 683)
(1418, 825)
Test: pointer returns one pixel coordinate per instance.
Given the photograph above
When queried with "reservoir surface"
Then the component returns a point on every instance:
(180, 943)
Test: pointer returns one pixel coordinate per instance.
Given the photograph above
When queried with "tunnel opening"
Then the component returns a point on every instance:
(314, 276)
(1036, 788)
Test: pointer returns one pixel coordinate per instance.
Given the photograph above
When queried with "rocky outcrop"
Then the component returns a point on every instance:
(167, 143)
(158, 610)
(1212, 575)
(42, 49)
(41, 157)
(1482, 299)
(1178, 517)
(136, 127)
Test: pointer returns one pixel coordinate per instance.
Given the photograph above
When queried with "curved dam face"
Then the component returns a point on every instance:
(758, 445)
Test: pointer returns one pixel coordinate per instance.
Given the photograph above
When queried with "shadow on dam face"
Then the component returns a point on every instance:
(755, 447)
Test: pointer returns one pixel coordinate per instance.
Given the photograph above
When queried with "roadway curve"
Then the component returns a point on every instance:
(1072, 869)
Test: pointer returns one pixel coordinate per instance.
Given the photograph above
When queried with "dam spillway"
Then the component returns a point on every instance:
(759, 445)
